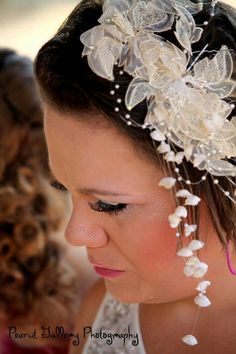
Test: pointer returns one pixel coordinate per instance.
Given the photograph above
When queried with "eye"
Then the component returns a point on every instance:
(57, 185)
(108, 208)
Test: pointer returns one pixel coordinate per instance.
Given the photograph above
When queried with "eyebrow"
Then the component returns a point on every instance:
(91, 190)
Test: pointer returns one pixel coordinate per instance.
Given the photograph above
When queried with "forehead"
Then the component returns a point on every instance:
(94, 152)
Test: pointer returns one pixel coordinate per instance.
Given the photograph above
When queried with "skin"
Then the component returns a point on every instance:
(139, 240)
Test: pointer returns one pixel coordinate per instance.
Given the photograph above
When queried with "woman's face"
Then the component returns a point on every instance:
(119, 212)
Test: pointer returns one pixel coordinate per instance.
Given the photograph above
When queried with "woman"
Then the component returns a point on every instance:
(139, 97)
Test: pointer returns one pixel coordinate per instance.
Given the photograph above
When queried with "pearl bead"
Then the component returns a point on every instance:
(177, 234)
(112, 92)
(205, 23)
(216, 181)
(121, 72)
(203, 178)
(188, 182)
(129, 122)
(118, 100)
(117, 86)
(127, 116)
(227, 193)
(180, 178)
(176, 170)
(117, 109)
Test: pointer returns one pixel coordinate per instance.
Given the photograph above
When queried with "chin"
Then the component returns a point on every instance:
(125, 294)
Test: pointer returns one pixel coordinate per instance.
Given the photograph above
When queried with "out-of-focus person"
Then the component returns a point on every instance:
(41, 280)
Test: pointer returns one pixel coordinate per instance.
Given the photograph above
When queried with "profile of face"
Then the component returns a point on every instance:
(119, 214)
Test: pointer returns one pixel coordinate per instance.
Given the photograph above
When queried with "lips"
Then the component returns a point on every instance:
(106, 272)
(102, 270)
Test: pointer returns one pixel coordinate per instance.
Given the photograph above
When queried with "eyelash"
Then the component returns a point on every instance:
(99, 206)
(58, 186)
(107, 208)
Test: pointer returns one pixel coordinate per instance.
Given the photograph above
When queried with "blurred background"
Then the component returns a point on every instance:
(27, 24)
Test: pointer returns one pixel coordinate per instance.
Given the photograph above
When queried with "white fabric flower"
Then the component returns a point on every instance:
(185, 97)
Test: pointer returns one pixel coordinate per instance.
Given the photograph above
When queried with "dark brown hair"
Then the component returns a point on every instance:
(67, 83)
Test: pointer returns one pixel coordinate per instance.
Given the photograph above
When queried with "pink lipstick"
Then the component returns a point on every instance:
(109, 273)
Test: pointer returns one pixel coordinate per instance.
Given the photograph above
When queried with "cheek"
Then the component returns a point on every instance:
(154, 241)
(155, 246)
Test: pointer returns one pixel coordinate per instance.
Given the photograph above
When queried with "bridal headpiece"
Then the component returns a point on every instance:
(187, 93)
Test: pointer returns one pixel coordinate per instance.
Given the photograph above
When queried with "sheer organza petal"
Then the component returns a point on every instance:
(121, 5)
(223, 89)
(115, 14)
(196, 35)
(186, 30)
(216, 70)
(102, 59)
(137, 91)
(222, 168)
(192, 7)
(151, 18)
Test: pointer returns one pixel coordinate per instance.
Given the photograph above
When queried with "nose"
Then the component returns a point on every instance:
(83, 229)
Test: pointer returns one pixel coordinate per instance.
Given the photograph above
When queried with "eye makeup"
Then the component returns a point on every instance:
(109, 208)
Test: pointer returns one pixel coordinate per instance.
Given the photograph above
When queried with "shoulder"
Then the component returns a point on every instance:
(87, 312)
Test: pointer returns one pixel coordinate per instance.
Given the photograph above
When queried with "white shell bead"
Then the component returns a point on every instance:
(157, 135)
(162, 148)
(174, 220)
(170, 156)
(184, 252)
(181, 211)
(200, 270)
(179, 157)
(202, 300)
(192, 200)
(196, 245)
(189, 229)
(167, 182)
(203, 285)
(190, 340)
(183, 193)
(188, 271)
(193, 261)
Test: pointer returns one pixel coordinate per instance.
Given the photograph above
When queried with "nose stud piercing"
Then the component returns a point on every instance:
(91, 236)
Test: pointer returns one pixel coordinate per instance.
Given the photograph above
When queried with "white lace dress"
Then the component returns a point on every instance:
(116, 329)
